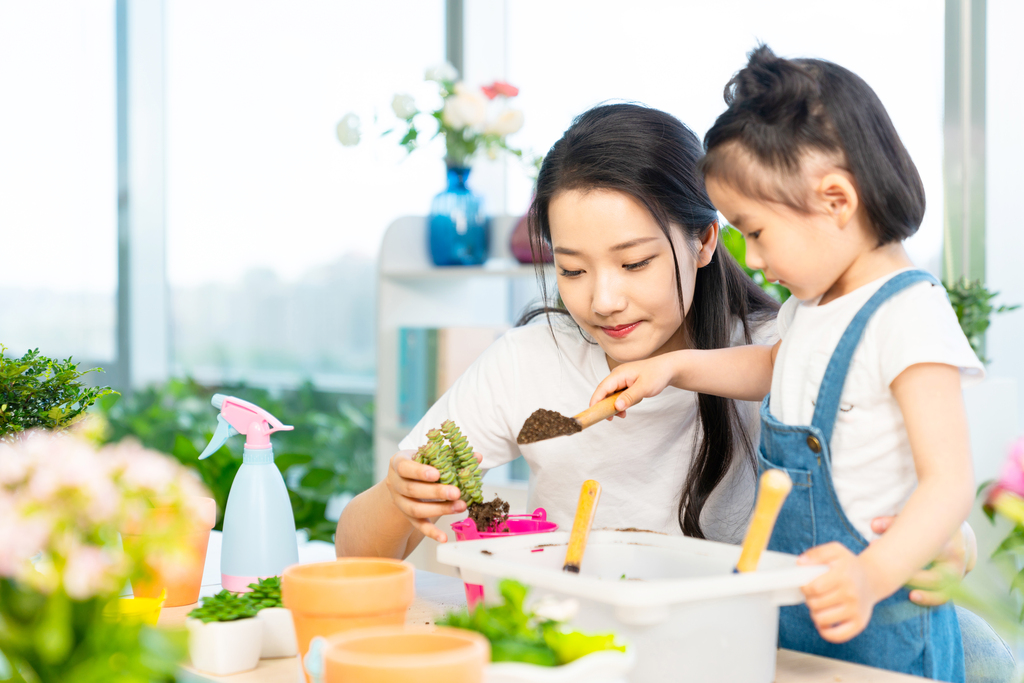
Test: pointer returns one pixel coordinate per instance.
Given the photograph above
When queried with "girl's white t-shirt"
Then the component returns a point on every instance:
(872, 464)
(641, 461)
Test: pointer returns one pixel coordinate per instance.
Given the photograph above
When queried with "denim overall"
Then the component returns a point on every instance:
(902, 636)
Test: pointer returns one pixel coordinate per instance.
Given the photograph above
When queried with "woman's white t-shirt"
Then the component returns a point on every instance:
(641, 461)
(872, 464)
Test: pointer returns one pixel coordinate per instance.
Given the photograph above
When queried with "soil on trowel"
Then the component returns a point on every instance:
(545, 424)
(489, 517)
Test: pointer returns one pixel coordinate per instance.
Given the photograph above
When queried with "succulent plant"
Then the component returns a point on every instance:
(265, 593)
(448, 451)
(224, 606)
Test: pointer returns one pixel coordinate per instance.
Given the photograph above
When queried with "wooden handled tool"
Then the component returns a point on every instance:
(771, 494)
(585, 509)
(546, 424)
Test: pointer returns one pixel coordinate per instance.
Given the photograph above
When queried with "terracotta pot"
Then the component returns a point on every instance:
(423, 654)
(183, 587)
(326, 598)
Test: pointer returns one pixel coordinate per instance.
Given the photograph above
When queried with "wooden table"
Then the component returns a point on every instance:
(437, 594)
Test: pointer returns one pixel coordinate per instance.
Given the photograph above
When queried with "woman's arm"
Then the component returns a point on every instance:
(740, 372)
(841, 601)
(391, 518)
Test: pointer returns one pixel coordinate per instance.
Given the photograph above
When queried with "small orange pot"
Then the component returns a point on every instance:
(393, 654)
(183, 586)
(355, 592)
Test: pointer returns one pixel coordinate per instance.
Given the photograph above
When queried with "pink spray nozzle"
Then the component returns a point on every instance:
(249, 419)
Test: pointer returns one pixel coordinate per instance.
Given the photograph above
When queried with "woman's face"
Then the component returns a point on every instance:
(616, 275)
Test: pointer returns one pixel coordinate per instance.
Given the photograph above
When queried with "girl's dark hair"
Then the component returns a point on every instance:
(780, 109)
(652, 156)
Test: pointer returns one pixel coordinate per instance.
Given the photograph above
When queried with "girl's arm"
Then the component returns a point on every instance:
(841, 600)
(391, 518)
(740, 372)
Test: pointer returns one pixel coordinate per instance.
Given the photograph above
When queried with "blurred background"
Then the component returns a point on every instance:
(175, 205)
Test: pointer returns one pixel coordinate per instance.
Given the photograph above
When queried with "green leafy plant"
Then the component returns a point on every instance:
(265, 593)
(520, 635)
(36, 391)
(733, 241)
(330, 452)
(224, 606)
(974, 310)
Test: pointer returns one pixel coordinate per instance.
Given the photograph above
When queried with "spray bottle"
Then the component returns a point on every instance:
(259, 527)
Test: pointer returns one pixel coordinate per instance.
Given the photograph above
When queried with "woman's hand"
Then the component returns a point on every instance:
(416, 494)
(955, 560)
(640, 379)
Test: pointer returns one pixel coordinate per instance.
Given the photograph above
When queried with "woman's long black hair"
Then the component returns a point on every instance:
(652, 156)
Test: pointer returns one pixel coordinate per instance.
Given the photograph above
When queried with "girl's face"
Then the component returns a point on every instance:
(807, 252)
(616, 275)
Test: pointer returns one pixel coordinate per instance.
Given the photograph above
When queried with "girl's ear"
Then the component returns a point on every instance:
(708, 243)
(839, 197)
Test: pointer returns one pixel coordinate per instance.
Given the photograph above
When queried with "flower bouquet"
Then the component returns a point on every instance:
(472, 121)
(62, 562)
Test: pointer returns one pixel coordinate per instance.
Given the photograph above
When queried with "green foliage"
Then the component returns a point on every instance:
(519, 635)
(224, 606)
(974, 310)
(329, 452)
(36, 391)
(454, 461)
(265, 593)
(54, 639)
(733, 241)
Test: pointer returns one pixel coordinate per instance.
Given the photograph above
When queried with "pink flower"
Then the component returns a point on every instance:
(1011, 479)
(500, 88)
(89, 571)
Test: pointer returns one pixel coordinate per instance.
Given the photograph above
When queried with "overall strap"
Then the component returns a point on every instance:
(827, 406)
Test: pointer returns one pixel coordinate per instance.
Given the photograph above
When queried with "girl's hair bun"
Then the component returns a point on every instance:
(772, 89)
(781, 109)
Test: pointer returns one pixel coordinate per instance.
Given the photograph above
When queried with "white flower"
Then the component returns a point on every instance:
(551, 608)
(442, 72)
(348, 130)
(467, 108)
(507, 122)
(404, 106)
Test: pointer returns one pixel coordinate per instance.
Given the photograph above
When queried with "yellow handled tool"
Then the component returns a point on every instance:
(585, 509)
(771, 494)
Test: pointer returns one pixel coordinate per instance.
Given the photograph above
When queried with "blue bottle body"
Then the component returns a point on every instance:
(259, 528)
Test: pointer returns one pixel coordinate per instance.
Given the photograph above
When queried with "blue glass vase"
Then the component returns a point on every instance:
(459, 231)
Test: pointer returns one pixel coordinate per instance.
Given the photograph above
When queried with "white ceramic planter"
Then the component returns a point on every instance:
(225, 647)
(609, 666)
(278, 633)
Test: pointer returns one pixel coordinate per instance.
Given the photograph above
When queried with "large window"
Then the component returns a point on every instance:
(273, 227)
(677, 56)
(58, 178)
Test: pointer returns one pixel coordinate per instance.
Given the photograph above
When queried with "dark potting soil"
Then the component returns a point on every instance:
(545, 424)
(489, 517)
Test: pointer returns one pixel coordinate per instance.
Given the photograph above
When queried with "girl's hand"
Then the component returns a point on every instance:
(953, 563)
(842, 599)
(416, 494)
(640, 379)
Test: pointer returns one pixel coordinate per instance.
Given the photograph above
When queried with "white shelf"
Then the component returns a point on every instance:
(412, 292)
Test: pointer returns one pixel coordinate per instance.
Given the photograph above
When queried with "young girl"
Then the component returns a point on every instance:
(621, 201)
(863, 405)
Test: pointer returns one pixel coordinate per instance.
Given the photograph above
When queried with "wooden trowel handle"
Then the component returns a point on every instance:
(771, 494)
(601, 410)
(590, 493)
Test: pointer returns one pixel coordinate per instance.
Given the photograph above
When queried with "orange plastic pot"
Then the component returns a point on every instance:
(354, 592)
(395, 654)
(183, 585)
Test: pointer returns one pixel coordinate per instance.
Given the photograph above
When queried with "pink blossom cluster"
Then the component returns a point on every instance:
(63, 503)
(1011, 478)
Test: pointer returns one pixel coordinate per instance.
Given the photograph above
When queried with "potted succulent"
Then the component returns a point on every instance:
(530, 644)
(278, 627)
(224, 636)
